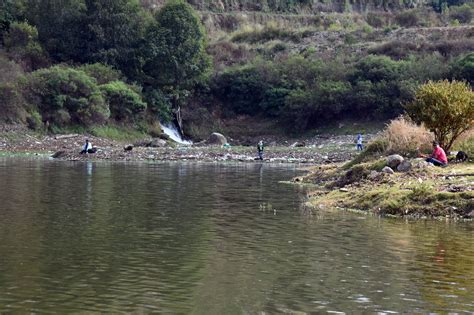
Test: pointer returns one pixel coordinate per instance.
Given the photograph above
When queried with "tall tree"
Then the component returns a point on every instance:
(175, 59)
(112, 30)
(59, 26)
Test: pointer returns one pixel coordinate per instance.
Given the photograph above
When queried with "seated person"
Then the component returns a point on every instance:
(87, 147)
(438, 157)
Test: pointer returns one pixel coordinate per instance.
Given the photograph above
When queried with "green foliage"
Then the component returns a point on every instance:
(125, 104)
(407, 19)
(174, 52)
(11, 103)
(59, 27)
(463, 68)
(463, 13)
(446, 108)
(65, 95)
(102, 73)
(116, 133)
(159, 105)
(22, 45)
(111, 31)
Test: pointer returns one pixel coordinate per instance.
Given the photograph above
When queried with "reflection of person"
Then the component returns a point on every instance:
(359, 142)
(438, 157)
(260, 149)
(87, 147)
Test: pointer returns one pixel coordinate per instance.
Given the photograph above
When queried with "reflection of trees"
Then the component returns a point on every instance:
(133, 236)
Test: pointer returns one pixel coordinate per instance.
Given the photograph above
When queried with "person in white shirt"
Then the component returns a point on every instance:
(87, 147)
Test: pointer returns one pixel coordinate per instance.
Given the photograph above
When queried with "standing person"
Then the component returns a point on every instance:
(87, 147)
(438, 157)
(360, 147)
(260, 150)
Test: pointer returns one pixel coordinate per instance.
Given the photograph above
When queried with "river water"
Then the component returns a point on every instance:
(212, 239)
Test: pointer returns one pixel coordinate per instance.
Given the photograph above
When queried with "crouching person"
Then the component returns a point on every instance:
(438, 157)
(88, 148)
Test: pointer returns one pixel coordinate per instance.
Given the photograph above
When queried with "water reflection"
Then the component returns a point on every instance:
(211, 239)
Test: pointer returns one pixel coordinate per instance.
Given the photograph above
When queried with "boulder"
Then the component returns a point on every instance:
(128, 148)
(216, 139)
(388, 170)
(142, 143)
(58, 154)
(394, 160)
(157, 143)
(405, 166)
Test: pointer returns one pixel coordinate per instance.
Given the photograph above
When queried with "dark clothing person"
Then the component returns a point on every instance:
(360, 147)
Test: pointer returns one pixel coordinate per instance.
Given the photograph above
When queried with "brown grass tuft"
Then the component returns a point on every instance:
(406, 138)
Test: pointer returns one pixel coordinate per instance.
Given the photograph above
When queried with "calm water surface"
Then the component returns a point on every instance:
(212, 239)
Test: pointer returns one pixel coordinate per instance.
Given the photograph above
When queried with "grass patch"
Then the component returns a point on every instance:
(117, 133)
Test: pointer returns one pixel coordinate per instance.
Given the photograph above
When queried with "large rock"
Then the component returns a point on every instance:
(394, 160)
(387, 170)
(216, 139)
(405, 166)
(157, 143)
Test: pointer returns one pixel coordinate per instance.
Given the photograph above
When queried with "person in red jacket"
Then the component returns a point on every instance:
(438, 157)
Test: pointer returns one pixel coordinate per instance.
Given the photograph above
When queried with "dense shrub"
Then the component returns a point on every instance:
(407, 18)
(22, 45)
(375, 20)
(65, 95)
(462, 13)
(11, 104)
(125, 104)
(463, 68)
(102, 73)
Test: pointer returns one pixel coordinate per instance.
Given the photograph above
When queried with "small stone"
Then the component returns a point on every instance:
(388, 170)
(405, 166)
(344, 189)
(394, 160)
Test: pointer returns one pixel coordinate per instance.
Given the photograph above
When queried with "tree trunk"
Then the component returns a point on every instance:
(179, 120)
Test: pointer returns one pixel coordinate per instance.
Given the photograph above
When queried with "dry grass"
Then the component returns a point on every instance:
(406, 138)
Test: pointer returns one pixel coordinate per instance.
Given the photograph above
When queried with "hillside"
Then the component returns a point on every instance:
(244, 68)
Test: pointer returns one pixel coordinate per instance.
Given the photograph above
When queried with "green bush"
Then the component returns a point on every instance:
(407, 18)
(463, 68)
(159, 105)
(11, 103)
(375, 20)
(58, 89)
(22, 45)
(102, 73)
(125, 104)
(462, 13)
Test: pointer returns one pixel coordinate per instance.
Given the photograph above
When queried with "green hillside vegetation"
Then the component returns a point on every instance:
(300, 64)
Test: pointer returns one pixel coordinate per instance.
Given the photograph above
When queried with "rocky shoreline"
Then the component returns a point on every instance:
(316, 150)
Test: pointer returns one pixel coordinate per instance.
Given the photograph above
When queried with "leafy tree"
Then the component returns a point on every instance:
(446, 108)
(112, 30)
(175, 59)
(65, 95)
(125, 104)
(22, 45)
(59, 26)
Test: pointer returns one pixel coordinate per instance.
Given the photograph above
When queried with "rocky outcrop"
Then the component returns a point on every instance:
(216, 139)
